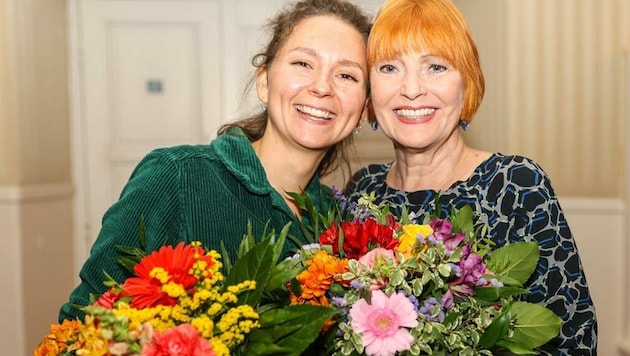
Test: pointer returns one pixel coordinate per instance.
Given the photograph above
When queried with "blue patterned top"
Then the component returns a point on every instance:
(513, 196)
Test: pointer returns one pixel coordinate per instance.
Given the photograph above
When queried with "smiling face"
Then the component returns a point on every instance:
(417, 99)
(316, 87)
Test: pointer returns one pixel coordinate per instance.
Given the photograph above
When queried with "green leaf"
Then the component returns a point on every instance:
(495, 293)
(288, 330)
(534, 324)
(515, 348)
(462, 219)
(225, 255)
(279, 243)
(283, 273)
(497, 330)
(132, 255)
(516, 260)
(255, 265)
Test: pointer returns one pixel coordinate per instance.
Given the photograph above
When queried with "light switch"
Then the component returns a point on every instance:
(154, 86)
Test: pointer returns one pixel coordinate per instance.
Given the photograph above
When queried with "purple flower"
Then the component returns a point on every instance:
(442, 231)
(356, 284)
(447, 300)
(471, 271)
(339, 302)
(428, 307)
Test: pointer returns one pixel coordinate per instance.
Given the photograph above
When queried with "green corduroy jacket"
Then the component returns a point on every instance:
(204, 193)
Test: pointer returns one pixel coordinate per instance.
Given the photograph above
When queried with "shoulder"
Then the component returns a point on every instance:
(519, 170)
(171, 158)
(371, 171)
(367, 178)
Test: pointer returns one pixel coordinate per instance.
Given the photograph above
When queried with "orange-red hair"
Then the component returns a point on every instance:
(436, 27)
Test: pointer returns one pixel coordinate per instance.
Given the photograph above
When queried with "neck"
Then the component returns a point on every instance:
(435, 169)
(288, 170)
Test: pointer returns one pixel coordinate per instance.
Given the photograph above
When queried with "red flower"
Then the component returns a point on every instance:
(146, 291)
(183, 340)
(330, 237)
(107, 299)
(380, 235)
(355, 239)
(359, 237)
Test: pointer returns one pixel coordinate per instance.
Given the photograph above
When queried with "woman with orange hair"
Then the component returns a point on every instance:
(426, 85)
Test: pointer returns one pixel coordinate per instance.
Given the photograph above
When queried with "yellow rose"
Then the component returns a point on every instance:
(409, 238)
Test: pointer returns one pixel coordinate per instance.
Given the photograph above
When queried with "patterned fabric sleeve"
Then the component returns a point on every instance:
(559, 281)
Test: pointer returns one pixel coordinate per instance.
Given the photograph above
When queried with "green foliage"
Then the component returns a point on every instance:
(285, 329)
(288, 330)
(534, 324)
(514, 263)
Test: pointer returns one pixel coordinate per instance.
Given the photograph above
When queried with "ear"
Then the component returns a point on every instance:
(262, 88)
(368, 111)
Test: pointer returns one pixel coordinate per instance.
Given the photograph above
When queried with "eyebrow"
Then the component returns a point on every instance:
(312, 52)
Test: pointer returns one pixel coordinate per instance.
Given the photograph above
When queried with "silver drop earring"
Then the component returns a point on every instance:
(357, 130)
(374, 125)
(464, 124)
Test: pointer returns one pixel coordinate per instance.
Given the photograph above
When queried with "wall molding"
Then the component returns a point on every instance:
(10, 195)
(597, 206)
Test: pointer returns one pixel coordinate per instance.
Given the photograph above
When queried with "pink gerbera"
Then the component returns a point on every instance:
(383, 323)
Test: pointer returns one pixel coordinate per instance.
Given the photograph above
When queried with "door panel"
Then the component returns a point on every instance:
(151, 77)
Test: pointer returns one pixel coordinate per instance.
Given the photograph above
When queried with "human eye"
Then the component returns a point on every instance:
(437, 68)
(386, 68)
(348, 76)
(301, 63)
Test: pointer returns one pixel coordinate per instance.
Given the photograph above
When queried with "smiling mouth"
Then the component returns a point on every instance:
(316, 114)
(414, 114)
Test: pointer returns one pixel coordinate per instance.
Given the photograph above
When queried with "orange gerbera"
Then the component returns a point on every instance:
(146, 289)
(323, 269)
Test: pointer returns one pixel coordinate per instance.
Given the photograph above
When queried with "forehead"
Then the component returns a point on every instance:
(327, 33)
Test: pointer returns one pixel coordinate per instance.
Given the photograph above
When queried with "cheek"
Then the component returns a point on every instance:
(352, 99)
(379, 97)
(453, 91)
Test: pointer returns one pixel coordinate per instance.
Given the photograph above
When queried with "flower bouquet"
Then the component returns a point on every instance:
(369, 283)
(404, 287)
(180, 303)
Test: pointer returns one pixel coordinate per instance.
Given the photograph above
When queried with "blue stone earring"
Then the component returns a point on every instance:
(464, 124)
(374, 125)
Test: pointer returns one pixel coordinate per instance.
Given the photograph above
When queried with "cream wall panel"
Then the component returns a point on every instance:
(555, 88)
(41, 90)
(602, 257)
(35, 261)
(11, 302)
(8, 124)
(564, 91)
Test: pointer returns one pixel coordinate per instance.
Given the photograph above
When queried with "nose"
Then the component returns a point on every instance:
(413, 86)
(321, 85)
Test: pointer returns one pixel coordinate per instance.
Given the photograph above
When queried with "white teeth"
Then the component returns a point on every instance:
(315, 112)
(415, 114)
